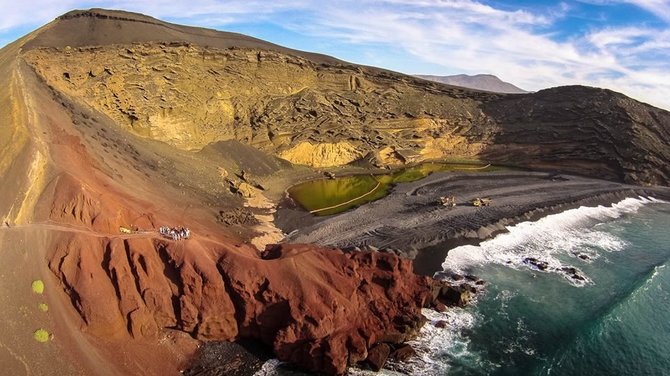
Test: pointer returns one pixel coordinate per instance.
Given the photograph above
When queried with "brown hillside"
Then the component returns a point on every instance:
(189, 87)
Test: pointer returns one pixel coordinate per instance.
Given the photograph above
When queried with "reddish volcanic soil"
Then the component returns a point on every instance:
(139, 304)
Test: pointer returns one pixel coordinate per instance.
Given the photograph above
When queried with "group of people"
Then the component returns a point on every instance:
(175, 233)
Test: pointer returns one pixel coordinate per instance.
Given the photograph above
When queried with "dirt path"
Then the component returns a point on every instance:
(57, 227)
(269, 233)
(65, 228)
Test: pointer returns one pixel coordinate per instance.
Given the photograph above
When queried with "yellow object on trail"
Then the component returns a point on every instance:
(125, 230)
(448, 200)
(38, 286)
(41, 335)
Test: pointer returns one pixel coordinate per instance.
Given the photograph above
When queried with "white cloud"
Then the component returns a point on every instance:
(27, 13)
(468, 37)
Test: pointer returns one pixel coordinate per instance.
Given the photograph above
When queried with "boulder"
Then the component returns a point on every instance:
(403, 353)
(377, 356)
(455, 295)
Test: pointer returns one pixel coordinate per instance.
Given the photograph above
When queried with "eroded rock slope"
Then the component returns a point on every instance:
(190, 87)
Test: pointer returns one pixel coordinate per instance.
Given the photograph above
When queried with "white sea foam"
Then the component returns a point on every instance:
(436, 346)
(572, 232)
(269, 368)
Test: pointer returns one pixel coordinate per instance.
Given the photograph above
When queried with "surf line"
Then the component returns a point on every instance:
(350, 201)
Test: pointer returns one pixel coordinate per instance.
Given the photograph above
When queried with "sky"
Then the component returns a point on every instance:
(623, 45)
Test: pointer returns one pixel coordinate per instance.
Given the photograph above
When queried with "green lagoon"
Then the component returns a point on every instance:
(331, 196)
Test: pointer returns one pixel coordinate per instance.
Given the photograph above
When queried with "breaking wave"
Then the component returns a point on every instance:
(541, 246)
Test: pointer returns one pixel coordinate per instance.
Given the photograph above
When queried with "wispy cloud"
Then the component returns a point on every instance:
(470, 37)
(466, 36)
(660, 8)
(453, 36)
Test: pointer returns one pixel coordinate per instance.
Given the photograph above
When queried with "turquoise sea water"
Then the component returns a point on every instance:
(532, 322)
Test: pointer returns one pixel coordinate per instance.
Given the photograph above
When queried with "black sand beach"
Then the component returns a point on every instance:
(412, 221)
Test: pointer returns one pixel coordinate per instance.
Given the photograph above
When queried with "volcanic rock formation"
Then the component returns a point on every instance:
(320, 309)
(190, 87)
(111, 119)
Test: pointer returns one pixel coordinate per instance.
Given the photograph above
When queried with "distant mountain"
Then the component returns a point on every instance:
(486, 82)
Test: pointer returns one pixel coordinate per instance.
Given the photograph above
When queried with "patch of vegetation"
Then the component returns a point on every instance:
(43, 307)
(38, 286)
(41, 335)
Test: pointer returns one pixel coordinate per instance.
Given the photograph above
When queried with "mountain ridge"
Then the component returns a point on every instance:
(486, 82)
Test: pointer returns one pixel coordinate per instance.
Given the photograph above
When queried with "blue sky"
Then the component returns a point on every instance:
(623, 45)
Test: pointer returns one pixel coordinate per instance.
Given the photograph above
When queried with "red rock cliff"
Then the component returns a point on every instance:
(318, 308)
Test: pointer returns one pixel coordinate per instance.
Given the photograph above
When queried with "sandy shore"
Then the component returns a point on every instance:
(412, 220)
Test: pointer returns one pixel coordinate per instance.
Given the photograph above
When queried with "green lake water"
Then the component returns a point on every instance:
(325, 193)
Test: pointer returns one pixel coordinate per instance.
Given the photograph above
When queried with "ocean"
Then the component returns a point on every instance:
(544, 322)
(536, 318)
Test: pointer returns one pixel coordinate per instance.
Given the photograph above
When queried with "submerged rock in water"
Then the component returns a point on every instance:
(572, 273)
(538, 264)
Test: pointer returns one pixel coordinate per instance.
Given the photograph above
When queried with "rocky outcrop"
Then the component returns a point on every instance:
(590, 131)
(321, 309)
(321, 155)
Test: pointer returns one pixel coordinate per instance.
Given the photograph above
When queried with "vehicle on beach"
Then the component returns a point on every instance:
(449, 201)
(479, 202)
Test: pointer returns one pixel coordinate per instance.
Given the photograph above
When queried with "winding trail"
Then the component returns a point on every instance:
(65, 228)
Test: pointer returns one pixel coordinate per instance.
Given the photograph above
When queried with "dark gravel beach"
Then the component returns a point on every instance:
(412, 219)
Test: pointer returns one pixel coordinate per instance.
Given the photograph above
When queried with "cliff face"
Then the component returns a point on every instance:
(190, 96)
(320, 309)
(190, 87)
(590, 131)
